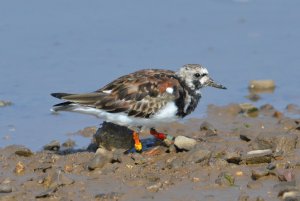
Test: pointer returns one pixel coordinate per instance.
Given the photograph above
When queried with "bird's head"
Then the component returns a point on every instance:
(196, 77)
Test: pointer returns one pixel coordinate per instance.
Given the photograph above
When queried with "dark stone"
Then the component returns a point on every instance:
(257, 158)
(23, 151)
(52, 146)
(233, 156)
(112, 136)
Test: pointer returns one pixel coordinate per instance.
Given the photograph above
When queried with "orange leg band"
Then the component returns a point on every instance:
(137, 143)
(158, 135)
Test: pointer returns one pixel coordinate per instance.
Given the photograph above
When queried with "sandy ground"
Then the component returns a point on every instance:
(238, 152)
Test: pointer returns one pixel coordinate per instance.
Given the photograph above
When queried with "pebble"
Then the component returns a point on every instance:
(52, 146)
(225, 179)
(292, 108)
(258, 173)
(208, 128)
(113, 196)
(258, 156)
(112, 136)
(271, 166)
(23, 151)
(154, 187)
(277, 141)
(185, 143)
(98, 161)
(291, 196)
(199, 156)
(138, 159)
(249, 109)
(118, 155)
(69, 143)
(47, 193)
(233, 156)
(5, 188)
(20, 168)
(254, 185)
(283, 187)
(288, 124)
(262, 84)
(5, 103)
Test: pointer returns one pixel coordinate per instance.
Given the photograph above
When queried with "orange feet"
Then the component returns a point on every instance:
(137, 143)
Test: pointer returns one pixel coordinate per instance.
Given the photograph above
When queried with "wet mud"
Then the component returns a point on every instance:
(237, 152)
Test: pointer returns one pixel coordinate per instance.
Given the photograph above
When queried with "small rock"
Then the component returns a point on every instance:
(5, 103)
(292, 108)
(208, 128)
(113, 196)
(118, 155)
(184, 143)
(112, 136)
(175, 163)
(276, 141)
(288, 124)
(291, 196)
(271, 166)
(154, 187)
(20, 168)
(258, 173)
(258, 156)
(249, 109)
(5, 188)
(23, 151)
(47, 193)
(52, 146)
(261, 84)
(225, 179)
(285, 175)
(283, 187)
(199, 155)
(138, 159)
(233, 156)
(254, 185)
(69, 143)
(98, 161)
(253, 97)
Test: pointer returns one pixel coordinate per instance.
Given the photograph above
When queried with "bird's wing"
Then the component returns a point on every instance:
(140, 94)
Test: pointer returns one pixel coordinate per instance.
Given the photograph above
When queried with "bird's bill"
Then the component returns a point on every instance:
(212, 83)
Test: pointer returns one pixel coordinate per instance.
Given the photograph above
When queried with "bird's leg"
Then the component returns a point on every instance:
(137, 143)
(160, 136)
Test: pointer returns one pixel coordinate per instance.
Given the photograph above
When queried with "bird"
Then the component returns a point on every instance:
(143, 99)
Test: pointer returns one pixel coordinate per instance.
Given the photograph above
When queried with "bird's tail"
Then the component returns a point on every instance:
(64, 106)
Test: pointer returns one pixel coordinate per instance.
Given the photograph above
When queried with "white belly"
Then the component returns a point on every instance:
(165, 115)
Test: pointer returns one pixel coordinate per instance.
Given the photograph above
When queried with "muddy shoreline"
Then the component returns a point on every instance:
(237, 152)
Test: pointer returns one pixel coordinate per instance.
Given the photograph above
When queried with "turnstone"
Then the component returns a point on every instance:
(143, 99)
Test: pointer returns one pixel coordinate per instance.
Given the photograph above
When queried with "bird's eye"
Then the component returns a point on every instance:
(197, 75)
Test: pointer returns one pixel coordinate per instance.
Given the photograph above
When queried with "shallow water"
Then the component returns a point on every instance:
(78, 46)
